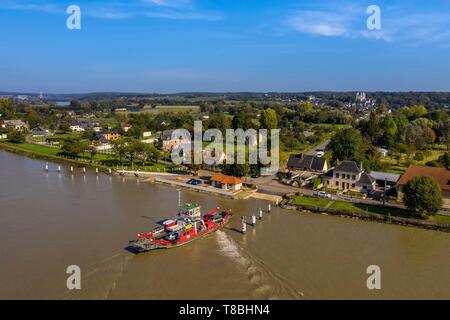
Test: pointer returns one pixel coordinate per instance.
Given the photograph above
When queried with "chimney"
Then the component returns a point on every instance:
(361, 166)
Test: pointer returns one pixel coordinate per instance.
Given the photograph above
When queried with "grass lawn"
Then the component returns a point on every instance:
(440, 219)
(311, 201)
(35, 148)
(365, 208)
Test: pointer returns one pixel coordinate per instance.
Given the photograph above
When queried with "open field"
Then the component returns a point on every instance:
(176, 108)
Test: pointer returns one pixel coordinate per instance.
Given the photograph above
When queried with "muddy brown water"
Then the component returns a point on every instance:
(49, 221)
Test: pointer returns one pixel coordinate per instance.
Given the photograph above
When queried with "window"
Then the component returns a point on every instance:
(353, 185)
(337, 175)
(348, 177)
(353, 177)
(337, 183)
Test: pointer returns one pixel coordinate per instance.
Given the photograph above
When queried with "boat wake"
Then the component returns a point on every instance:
(267, 284)
(101, 278)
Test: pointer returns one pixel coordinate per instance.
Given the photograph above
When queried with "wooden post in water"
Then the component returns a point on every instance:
(110, 171)
(96, 171)
(244, 225)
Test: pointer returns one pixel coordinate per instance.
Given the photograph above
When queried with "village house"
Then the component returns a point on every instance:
(384, 179)
(107, 136)
(102, 140)
(94, 126)
(348, 175)
(126, 127)
(224, 182)
(40, 132)
(77, 127)
(16, 125)
(167, 142)
(441, 175)
(311, 163)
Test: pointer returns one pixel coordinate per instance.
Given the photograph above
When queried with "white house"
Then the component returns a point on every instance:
(77, 127)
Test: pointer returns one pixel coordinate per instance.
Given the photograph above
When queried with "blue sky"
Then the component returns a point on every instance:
(224, 45)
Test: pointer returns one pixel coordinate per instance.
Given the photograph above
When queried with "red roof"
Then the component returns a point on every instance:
(441, 175)
(223, 179)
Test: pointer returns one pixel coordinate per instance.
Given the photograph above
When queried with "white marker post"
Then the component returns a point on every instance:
(71, 169)
(270, 208)
(260, 214)
(84, 170)
(244, 225)
(253, 220)
(59, 169)
(46, 167)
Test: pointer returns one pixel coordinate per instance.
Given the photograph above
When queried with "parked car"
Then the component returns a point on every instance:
(323, 194)
(194, 182)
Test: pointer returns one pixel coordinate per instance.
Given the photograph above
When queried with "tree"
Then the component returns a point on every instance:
(73, 146)
(236, 170)
(389, 130)
(133, 147)
(16, 136)
(269, 119)
(423, 195)
(119, 148)
(92, 152)
(371, 128)
(219, 121)
(346, 145)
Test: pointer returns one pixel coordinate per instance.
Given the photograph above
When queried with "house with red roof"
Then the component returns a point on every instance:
(441, 175)
(226, 182)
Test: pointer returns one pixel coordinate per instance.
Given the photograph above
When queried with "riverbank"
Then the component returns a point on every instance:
(52, 157)
(102, 162)
(389, 215)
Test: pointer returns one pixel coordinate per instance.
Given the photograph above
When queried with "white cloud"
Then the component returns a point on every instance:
(350, 22)
(160, 9)
(318, 23)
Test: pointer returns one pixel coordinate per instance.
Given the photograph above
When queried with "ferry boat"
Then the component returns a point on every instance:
(189, 225)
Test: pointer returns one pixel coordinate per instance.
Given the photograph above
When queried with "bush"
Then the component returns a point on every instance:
(419, 156)
(16, 137)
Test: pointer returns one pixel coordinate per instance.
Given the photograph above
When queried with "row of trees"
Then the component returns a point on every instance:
(409, 129)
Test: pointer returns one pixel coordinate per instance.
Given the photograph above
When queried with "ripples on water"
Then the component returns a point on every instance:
(257, 272)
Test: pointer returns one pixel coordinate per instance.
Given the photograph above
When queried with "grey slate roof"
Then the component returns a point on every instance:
(167, 135)
(391, 177)
(348, 166)
(366, 179)
(306, 162)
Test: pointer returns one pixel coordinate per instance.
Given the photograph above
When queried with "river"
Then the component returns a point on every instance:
(49, 221)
